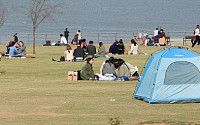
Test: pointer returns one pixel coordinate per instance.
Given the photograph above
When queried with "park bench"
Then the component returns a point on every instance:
(188, 38)
(167, 38)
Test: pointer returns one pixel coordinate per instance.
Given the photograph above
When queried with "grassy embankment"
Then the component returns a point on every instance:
(37, 92)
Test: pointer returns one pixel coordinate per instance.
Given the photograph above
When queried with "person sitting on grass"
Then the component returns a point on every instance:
(63, 40)
(8, 46)
(161, 36)
(149, 41)
(112, 47)
(87, 72)
(109, 67)
(91, 49)
(14, 52)
(123, 71)
(79, 52)
(119, 49)
(22, 48)
(108, 70)
(102, 50)
(83, 41)
(69, 54)
(134, 48)
(75, 40)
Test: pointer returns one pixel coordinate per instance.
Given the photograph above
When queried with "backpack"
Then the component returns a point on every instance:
(62, 59)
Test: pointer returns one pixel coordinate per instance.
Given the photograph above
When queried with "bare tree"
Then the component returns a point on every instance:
(38, 11)
(2, 13)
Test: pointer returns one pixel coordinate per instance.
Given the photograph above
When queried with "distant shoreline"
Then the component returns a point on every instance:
(105, 37)
(173, 41)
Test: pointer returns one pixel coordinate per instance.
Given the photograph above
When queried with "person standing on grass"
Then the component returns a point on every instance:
(15, 37)
(79, 34)
(155, 33)
(66, 34)
(197, 34)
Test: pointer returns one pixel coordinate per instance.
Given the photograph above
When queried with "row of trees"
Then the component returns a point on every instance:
(37, 12)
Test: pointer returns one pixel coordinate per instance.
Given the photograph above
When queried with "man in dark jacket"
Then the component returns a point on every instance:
(79, 52)
(15, 37)
(66, 34)
(91, 49)
(119, 49)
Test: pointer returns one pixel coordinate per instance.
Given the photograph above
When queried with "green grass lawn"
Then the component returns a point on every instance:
(36, 92)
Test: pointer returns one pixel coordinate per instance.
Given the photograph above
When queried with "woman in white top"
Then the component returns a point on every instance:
(63, 40)
(197, 34)
(134, 48)
(69, 54)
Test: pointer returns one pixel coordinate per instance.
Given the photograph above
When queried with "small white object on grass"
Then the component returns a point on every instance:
(112, 100)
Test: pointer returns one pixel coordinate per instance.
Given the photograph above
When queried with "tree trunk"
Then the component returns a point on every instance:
(33, 40)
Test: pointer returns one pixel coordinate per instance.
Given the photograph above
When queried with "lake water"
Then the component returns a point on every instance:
(102, 16)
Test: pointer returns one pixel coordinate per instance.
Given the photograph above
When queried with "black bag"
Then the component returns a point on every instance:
(79, 75)
(62, 59)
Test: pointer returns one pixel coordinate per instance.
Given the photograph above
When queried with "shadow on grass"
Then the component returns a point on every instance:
(1, 72)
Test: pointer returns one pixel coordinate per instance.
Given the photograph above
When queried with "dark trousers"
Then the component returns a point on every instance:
(197, 40)
(67, 39)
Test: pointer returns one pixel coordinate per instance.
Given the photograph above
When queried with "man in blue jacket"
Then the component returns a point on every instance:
(14, 52)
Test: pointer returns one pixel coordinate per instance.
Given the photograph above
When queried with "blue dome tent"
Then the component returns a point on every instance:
(171, 75)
